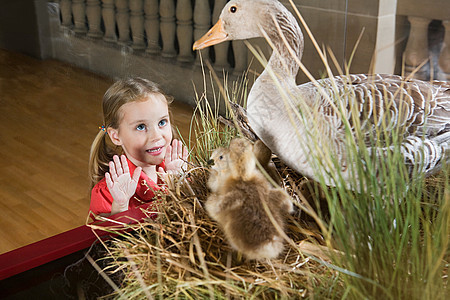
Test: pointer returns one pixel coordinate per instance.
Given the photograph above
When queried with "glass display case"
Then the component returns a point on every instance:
(117, 38)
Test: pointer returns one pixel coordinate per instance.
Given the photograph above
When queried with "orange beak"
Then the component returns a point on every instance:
(214, 36)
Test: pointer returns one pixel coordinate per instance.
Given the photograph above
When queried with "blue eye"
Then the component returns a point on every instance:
(162, 123)
(140, 127)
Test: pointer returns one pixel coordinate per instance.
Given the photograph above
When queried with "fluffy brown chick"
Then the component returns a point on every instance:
(238, 194)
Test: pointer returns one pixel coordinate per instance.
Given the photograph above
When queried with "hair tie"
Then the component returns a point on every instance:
(102, 128)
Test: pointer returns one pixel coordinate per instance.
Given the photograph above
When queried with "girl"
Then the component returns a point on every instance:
(136, 127)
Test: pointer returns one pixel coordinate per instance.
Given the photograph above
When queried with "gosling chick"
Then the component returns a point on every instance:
(238, 194)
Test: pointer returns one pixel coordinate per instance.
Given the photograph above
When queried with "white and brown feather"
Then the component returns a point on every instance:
(417, 111)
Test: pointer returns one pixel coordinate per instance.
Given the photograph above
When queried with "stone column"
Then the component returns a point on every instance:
(123, 21)
(93, 13)
(202, 23)
(137, 24)
(109, 21)
(220, 50)
(79, 16)
(65, 7)
(444, 57)
(416, 51)
(151, 23)
(168, 27)
(184, 30)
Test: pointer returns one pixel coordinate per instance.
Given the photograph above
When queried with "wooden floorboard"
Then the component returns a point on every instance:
(49, 114)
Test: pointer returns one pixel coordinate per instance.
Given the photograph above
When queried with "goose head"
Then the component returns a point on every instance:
(246, 19)
(233, 18)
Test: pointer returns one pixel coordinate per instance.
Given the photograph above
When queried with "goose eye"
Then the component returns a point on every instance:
(233, 9)
(221, 157)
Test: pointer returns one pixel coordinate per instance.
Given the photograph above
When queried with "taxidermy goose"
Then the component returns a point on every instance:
(296, 121)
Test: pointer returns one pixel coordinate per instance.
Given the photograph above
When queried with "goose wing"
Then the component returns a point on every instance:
(386, 102)
(418, 111)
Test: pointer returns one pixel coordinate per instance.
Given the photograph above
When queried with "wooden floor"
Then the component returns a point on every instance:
(49, 114)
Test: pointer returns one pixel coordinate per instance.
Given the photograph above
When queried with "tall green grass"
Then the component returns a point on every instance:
(388, 239)
(206, 130)
(392, 233)
(391, 238)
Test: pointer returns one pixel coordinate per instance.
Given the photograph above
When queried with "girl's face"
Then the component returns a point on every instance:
(144, 130)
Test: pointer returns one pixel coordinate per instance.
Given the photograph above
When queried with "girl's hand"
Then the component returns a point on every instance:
(120, 184)
(176, 156)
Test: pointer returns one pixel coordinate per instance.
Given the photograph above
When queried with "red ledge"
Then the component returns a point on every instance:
(60, 245)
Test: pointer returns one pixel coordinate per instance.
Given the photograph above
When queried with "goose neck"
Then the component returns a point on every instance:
(286, 39)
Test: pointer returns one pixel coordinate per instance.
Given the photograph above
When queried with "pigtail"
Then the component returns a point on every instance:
(100, 155)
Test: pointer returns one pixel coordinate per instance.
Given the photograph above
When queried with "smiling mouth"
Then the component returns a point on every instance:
(154, 150)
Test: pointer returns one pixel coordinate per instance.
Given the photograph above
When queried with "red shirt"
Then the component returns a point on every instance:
(101, 199)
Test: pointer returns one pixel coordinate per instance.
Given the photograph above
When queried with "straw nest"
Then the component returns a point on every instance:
(183, 253)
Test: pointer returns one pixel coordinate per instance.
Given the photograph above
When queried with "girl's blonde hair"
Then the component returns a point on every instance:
(121, 92)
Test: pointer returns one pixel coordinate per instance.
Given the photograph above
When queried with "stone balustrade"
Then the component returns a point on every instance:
(154, 38)
(426, 57)
(162, 28)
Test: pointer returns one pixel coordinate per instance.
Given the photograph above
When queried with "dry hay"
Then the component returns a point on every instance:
(183, 253)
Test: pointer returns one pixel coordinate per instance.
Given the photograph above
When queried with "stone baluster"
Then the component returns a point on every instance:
(151, 23)
(137, 24)
(184, 30)
(93, 13)
(109, 20)
(123, 21)
(202, 23)
(168, 28)
(65, 7)
(240, 57)
(444, 57)
(220, 50)
(416, 51)
(79, 16)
